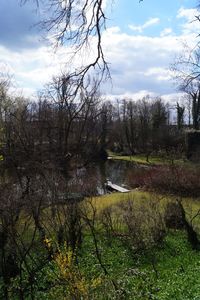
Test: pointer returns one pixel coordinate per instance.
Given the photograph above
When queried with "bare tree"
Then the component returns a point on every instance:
(129, 124)
(78, 24)
(180, 115)
(186, 72)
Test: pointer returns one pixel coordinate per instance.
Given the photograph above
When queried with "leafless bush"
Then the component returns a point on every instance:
(112, 221)
(140, 225)
(173, 216)
(138, 177)
(145, 226)
(173, 179)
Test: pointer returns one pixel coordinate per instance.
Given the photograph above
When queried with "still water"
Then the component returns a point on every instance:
(98, 174)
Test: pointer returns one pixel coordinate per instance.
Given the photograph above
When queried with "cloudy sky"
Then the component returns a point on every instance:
(140, 42)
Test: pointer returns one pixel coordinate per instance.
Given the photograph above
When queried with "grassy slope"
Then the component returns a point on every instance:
(191, 206)
(163, 273)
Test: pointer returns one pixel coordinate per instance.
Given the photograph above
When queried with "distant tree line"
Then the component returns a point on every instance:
(67, 127)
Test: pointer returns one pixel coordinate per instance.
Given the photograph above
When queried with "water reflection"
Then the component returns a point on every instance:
(89, 180)
(98, 174)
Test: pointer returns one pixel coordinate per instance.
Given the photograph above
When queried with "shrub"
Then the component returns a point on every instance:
(173, 216)
(140, 225)
(169, 179)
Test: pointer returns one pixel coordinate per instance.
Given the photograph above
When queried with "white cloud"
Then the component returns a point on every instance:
(173, 98)
(188, 13)
(133, 96)
(32, 68)
(162, 74)
(139, 63)
(166, 31)
(191, 24)
(149, 23)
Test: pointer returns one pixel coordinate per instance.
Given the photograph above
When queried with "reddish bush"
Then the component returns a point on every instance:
(170, 179)
(138, 177)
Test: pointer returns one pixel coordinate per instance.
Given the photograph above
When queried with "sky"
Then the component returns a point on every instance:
(140, 42)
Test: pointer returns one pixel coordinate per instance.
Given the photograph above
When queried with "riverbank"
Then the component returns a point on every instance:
(152, 160)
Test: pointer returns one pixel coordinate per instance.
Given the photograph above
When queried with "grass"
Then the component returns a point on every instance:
(162, 273)
(143, 198)
(168, 271)
(141, 159)
(102, 202)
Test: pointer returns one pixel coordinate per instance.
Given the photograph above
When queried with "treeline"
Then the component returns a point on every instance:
(71, 123)
(145, 126)
(64, 124)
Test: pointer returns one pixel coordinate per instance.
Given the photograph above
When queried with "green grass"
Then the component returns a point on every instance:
(141, 159)
(162, 273)
(143, 199)
(100, 202)
(167, 271)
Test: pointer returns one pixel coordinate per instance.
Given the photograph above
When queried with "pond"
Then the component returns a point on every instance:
(89, 180)
(116, 171)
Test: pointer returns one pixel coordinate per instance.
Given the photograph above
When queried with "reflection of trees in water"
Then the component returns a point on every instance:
(117, 171)
(94, 176)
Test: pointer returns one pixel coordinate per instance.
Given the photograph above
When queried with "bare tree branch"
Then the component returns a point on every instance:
(79, 25)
